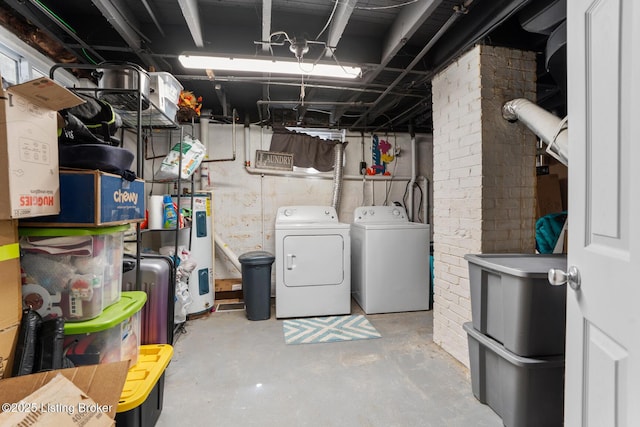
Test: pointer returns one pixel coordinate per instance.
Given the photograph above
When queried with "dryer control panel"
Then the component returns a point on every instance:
(380, 214)
(306, 214)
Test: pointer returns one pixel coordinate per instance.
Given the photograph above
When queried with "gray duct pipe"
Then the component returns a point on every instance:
(338, 171)
(549, 128)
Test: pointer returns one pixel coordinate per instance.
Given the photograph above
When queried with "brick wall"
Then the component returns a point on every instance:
(483, 177)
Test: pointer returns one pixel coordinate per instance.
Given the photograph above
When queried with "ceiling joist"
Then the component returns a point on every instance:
(125, 23)
(341, 17)
(192, 18)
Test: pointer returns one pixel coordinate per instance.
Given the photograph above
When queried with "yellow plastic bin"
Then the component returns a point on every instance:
(141, 399)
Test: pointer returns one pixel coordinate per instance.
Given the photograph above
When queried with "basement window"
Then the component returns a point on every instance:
(312, 149)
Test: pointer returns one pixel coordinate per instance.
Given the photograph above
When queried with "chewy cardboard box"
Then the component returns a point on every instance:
(10, 295)
(29, 147)
(91, 198)
(48, 399)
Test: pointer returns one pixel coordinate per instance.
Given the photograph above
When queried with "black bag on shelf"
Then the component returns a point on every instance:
(98, 116)
(79, 148)
(75, 132)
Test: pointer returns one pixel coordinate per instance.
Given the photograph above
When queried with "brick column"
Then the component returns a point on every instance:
(483, 177)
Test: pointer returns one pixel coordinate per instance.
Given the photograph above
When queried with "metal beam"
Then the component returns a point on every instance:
(479, 22)
(125, 23)
(339, 23)
(458, 12)
(192, 17)
(404, 27)
(266, 36)
(23, 10)
(153, 17)
(266, 23)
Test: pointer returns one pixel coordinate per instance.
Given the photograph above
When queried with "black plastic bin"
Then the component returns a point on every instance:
(256, 283)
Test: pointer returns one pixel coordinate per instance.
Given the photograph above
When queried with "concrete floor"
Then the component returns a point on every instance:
(229, 371)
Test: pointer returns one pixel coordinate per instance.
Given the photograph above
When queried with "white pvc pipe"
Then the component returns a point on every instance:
(204, 131)
(247, 148)
(324, 175)
(549, 128)
(233, 258)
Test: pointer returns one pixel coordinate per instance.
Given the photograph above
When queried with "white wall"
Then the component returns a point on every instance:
(245, 203)
(484, 177)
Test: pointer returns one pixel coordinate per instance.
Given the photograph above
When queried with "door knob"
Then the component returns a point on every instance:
(558, 277)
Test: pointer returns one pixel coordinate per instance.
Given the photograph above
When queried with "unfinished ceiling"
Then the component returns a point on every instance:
(399, 44)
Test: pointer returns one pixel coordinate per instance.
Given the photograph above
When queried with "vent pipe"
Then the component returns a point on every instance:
(338, 172)
(551, 129)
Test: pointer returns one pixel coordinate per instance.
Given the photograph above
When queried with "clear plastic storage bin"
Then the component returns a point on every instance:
(111, 337)
(71, 272)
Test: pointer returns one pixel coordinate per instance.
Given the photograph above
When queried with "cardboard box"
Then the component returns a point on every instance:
(29, 147)
(115, 200)
(10, 298)
(8, 340)
(548, 198)
(226, 285)
(102, 383)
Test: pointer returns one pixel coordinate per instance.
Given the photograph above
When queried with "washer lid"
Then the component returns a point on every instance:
(415, 226)
(380, 214)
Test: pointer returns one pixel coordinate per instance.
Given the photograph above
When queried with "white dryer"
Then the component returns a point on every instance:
(313, 262)
(389, 260)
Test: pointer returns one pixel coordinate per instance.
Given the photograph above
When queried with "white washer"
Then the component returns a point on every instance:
(389, 260)
(313, 262)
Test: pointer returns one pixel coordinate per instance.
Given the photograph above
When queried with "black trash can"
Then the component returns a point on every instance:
(256, 284)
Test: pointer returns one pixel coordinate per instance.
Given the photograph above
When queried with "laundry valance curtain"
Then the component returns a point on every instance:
(308, 151)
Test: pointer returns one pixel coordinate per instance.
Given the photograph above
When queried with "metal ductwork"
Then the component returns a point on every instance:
(551, 129)
(338, 171)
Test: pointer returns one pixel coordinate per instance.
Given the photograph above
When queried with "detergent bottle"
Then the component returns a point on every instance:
(170, 215)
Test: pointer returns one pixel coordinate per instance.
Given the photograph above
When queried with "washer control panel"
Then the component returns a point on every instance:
(306, 214)
(380, 214)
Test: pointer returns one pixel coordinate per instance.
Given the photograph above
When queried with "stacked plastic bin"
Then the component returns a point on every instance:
(74, 273)
(111, 337)
(142, 396)
(517, 337)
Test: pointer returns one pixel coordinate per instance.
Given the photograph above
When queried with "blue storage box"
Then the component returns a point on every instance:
(115, 200)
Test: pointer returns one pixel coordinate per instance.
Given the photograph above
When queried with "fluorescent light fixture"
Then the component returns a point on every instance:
(258, 65)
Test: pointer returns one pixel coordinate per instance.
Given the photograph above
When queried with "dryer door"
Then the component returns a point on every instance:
(313, 260)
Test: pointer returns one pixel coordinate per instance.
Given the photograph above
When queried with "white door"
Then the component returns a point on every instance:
(603, 316)
(313, 260)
